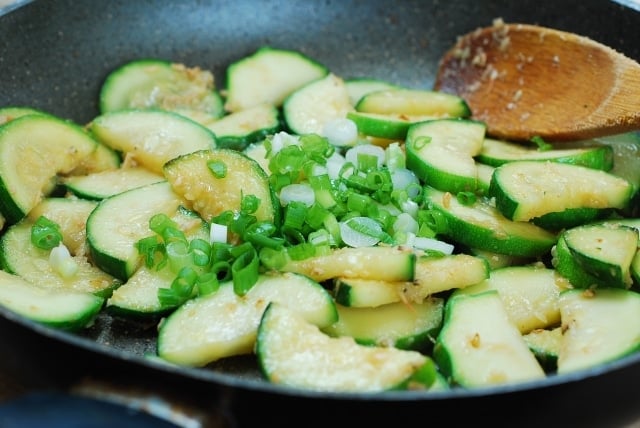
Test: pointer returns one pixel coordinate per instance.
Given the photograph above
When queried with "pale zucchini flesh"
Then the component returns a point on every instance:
(529, 189)
(224, 324)
(63, 309)
(295, 353)
(404, 326)
(46, 147)
(599, 326)
(479, 346)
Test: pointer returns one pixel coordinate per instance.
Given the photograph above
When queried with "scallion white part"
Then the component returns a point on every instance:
(360, 232)
(217, 233)
(62, 262)
(340, 132)
(299, 192)
(368, 149)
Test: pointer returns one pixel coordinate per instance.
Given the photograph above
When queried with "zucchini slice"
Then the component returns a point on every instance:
(357, 87)
(191, 177)
(389, 126)
(599, 326)
(269, 75)
(529, 294)
(441, 153)
(482, 226)
(293, 352)
(240, 129)
(63, 309)
(380, 263)
(310, 108)
(224, 324)
(413, 102)
(480, 346)
(151, 137)
(159, 84)
(545, 345)
(403, 326)
(365, 293)
(604, 250)
(497, 152)
(119, 222)
(528, 189)
(19, 256)
(43, 145)
(103, 184)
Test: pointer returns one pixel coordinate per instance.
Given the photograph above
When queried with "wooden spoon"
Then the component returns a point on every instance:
(526, 80)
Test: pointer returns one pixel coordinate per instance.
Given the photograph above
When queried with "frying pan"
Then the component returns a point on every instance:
(54, 55)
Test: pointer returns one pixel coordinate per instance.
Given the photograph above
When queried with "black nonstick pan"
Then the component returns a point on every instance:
(54, 55)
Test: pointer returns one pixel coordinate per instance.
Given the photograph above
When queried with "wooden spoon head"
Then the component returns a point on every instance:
(525, 81)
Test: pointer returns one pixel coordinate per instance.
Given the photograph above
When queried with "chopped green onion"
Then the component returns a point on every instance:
(249, 204)
(466, 198)
(200, 250)
(207, 283)
(543, 146)
(301, 251)
(61, 261)
(179, 255)
(158, 223)
(45, 234)
(148, 247)
(217, 168)
(244, 271)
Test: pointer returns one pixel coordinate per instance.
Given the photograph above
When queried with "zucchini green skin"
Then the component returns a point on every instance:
(481, 226)
(545, 345)
(151, 83)
(441, 153)
(45, 146)
(566, 265)
(604, 250)
(240, 129)
(497, 152)
(295, 353)
(287, 71)
(397, 324)
(526, 190)
(529, 294)
(223, 324)
(56, 308)
(479, 346)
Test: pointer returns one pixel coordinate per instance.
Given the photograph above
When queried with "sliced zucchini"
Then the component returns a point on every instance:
(191, 176)
(441, 153)
(103, 158)
(413, 102)
(138, 297)
(479, 346)
(21, 257)
(389, 126)
(599, 326)
(71, 215)
(269, 75)
(497, 260)
(160, 84)
(9, 113)
(480, 225)
(103, 184)
(223, 324)
(380, 263)
(151, 137)
(242, 128)
(626, 155)
(43, 145)
(118, 222)
(566, 265)
(63, 309)
(436, 274)
(295, 353)
(397, 324)
(528, 189)
(545, 345)
(604, 250)
(365, 293)
(361, 86)
(497, 152)
(310, 108)
(529, 294)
